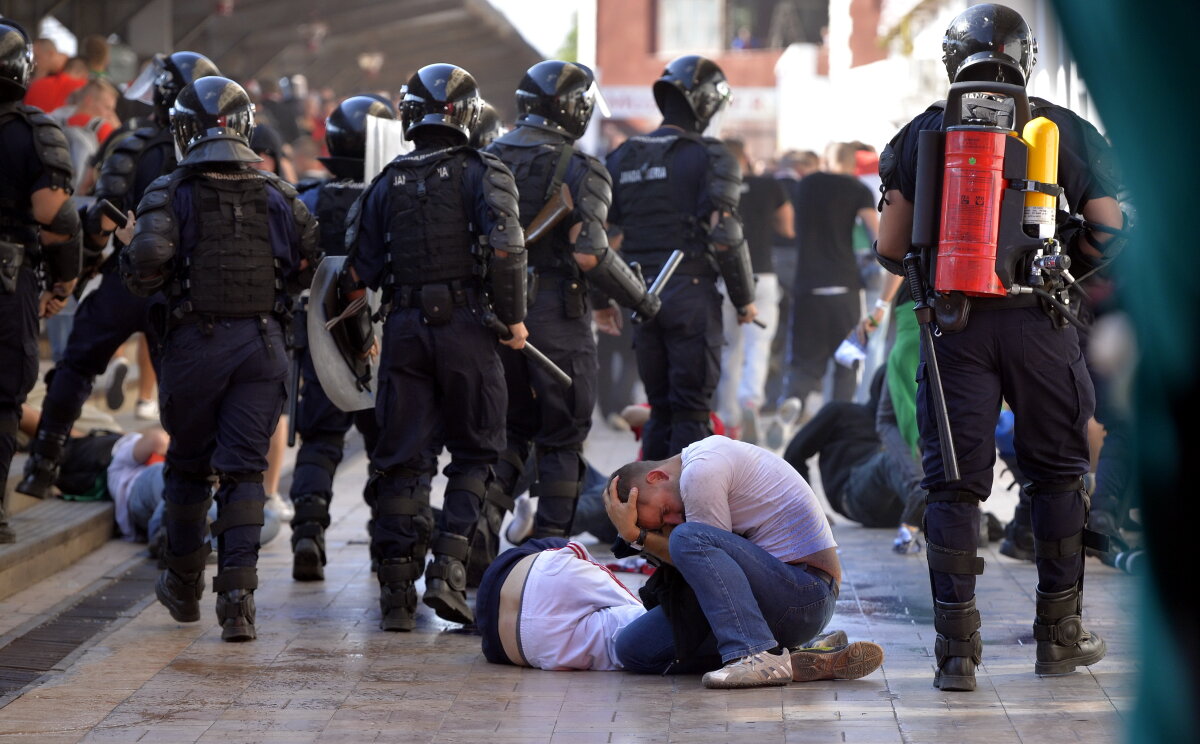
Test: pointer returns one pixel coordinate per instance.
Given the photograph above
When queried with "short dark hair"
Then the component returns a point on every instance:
(631, 475)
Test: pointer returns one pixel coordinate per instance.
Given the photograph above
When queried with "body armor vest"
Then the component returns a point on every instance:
(430, 238)
(231, 270)
(653, 225)
(333, 203)
(533, 170)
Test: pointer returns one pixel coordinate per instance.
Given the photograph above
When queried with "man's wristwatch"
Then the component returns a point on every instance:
(640, 543)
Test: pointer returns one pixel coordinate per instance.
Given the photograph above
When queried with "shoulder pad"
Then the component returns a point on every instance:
(158, 194)
(595, 190)
(136, 141)
(500, 194)
(283, 186)
(118, 170)
(52, 149)
(725, 185)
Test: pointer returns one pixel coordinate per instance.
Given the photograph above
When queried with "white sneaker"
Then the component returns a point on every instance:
(520, 527)
(789, 411)
(282, 506)
(750, 424)
(757, 670)
(146, 410)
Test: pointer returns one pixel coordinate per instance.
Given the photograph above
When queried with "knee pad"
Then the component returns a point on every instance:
(471, 484)
(414, 506)
(956, 507)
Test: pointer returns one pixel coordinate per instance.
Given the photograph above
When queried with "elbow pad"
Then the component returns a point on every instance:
(146, 263)
(619, 281)
(507, 275)
(892, 266)
(734, 264)
(728, 231)
(64, 259)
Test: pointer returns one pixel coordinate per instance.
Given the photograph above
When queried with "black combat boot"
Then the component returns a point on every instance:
(1062, 641)
(235, 612)
(235, 602)
(41, 469)
(1018, 541)
(398, 592)
(181, 584)
(446, 580)
(180, 594)
(958, 649)
(308, 537)
(485, 544)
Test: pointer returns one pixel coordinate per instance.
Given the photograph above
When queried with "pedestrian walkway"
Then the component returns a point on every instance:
(322, 671)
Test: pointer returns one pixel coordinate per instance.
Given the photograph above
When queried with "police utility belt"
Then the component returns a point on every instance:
(436, 301)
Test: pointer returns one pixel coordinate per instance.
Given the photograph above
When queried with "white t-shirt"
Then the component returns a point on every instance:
(121, 472)
(754, 493)
(572, 610)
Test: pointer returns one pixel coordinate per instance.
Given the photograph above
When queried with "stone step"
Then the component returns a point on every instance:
(51, 535)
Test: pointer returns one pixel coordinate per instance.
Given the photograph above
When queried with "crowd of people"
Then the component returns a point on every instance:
(732, 289)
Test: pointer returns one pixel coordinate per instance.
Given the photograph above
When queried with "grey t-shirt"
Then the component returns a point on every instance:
(753, 493)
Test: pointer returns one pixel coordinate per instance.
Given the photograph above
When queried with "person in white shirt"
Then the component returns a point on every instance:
(547, 604)
(752, 542)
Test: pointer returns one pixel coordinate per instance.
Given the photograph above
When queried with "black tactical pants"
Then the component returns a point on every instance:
(221, 394)
(105, 319)
(542, 414)
(18, 360)
(679, 359)
(322, 427)
(435, 382)
(1022, 357)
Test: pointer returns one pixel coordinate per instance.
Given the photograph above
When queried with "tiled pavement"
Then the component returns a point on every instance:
(322, 671)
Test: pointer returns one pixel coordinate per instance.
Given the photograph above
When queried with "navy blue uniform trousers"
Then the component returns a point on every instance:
(221, 393)
(1021, 356)
(18, 360)
(444, 383)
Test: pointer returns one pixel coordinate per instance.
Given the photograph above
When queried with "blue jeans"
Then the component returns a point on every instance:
(753, 602)
(146, 507)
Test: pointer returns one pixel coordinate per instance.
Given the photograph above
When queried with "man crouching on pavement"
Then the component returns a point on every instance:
(749, 538)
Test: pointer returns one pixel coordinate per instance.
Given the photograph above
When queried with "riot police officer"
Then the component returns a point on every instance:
(554, 102)
(107, 317)
(1019, 347)
(487, 128)
(227, 244)
(322, 426)
(674, 189)
(438, 230)
(39, 236)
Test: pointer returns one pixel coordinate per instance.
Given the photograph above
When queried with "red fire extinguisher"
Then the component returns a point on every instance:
(979, 165)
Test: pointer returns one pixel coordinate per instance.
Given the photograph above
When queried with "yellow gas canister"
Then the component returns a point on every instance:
(1041, 135)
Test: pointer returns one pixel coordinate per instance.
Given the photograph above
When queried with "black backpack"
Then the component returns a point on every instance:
(84, 470)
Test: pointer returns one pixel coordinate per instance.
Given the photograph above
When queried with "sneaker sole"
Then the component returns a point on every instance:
(852, 662)
(744, 683)
(116, 389)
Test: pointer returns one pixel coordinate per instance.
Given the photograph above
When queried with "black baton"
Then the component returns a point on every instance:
(562, 378)
(664, 275)
(924, 311)
(111, 211)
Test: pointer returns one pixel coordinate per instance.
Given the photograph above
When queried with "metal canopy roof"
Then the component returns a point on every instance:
(322, 39)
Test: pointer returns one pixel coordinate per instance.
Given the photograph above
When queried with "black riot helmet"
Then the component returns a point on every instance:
(487, 127)
(989, 42)
(558, 97)
(440, 96)
(175, 71)
(212, 121)
(346, 126)
(696, 81)
(16, 61)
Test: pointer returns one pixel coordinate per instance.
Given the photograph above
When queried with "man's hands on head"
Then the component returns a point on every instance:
(622, 515)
